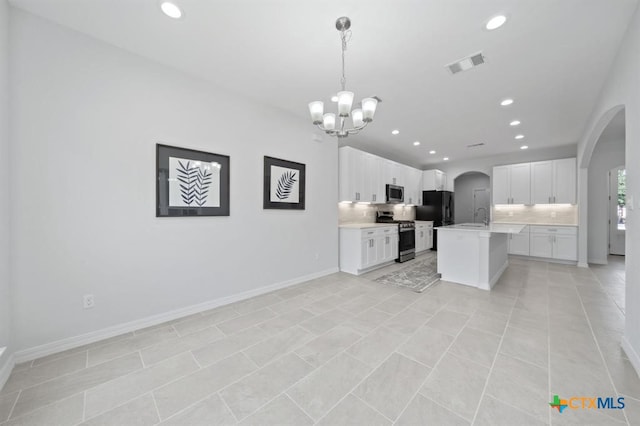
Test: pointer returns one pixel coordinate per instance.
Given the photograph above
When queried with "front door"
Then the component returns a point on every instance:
(617, 210)
(480, 205)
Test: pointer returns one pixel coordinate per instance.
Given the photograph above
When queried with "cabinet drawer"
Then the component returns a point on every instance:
(564, 230)
(374, 232)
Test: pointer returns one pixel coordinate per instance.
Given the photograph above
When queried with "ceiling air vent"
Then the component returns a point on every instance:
(475, 145)
(466, 63)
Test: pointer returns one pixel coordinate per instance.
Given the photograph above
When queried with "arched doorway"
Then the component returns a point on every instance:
(472, 197)
(606, 209)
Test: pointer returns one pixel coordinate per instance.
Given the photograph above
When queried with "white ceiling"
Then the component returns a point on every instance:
(552, 57)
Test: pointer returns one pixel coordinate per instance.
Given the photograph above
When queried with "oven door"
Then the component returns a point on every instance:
(407, 242)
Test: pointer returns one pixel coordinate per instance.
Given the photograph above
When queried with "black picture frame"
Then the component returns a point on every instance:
(194, 190)
(288, 184)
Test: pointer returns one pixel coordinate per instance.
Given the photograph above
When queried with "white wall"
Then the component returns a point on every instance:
(5, 305)
(485, 164)
(622, 88)
(607, 155)
(463, 196)
(86, 117)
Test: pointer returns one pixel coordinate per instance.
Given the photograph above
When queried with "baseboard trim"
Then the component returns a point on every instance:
(596, 262)
(6, 369)
(633, 356)
(105, 333)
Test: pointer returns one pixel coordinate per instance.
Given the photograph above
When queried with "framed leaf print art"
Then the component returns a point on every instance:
(191, 183)
(284, 184)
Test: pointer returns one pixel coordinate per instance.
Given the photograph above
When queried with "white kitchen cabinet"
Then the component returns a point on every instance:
(553, 182)
(564, 173)
(365, 249)
(413, 186)
(434, 180)
(554, 242)
(519, 243)
(424, 236)
(352, 175)
(374, 179)
(511, 184)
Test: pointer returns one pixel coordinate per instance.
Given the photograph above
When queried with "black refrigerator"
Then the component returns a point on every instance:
(438, 207)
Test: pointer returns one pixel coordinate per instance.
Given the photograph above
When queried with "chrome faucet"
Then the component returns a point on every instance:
(485, 221)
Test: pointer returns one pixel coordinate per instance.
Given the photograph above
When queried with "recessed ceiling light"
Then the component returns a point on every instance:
(432, 152)
(395, 132)
(524, 147)
(334, 99)
(496, 22)
(416, 143)
(515, 123)
(446, 158)
(520, 137)
(171, 10)
(506, 102)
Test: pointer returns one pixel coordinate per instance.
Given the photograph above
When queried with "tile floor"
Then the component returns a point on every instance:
(347, 350)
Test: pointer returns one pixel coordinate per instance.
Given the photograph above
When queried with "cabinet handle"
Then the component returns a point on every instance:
(549, 200)
(386, 240)
(554, 199)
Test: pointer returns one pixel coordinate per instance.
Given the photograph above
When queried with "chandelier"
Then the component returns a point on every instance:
(360, 116)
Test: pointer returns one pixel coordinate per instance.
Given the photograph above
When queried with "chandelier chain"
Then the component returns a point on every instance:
(345, 36)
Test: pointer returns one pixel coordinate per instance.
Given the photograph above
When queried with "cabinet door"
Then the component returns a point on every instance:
(439, 178)
(420, 240)
(430, 239)
(542, 182)
(564, 174)
(519, 244)
(520, 183)
(500, 185)
(356, 166)
(372, 177)
(541, 245)
(388, 248)
(565, 247)
(394, 246)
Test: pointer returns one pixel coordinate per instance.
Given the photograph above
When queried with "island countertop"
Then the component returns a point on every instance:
(495, 228)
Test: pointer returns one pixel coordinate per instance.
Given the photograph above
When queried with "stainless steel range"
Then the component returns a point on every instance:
(406, 235)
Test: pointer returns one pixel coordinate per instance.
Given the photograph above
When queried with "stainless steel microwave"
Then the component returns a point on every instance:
(395, 194)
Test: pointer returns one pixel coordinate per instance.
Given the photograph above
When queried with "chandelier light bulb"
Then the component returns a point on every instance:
(316, 109)
(369, 108)
(345, 100)
(357, 117)
(329, 121)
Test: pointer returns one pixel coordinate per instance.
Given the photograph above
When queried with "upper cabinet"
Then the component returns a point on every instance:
(511, 184)
(542, 182)
(363, 177)
(553, 182)
(434, 180)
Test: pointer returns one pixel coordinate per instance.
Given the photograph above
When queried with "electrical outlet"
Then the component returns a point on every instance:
(88, 302)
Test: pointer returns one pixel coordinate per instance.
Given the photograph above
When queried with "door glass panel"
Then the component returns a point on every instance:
(622, 192)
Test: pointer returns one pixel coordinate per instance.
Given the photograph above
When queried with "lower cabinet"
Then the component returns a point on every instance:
(424, 236)
(554, 242)
(519, 243)
(364, 249)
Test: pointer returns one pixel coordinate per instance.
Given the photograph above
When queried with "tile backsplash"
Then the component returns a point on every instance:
(366, 213)
(552, 214)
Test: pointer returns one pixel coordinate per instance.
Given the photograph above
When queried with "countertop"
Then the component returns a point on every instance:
(367, 225)
(536, 224)
(496, 228)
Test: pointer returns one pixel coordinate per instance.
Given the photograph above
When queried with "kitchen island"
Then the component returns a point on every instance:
(474, 254)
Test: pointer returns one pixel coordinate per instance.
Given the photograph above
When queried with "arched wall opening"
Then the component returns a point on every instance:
(472, 197)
